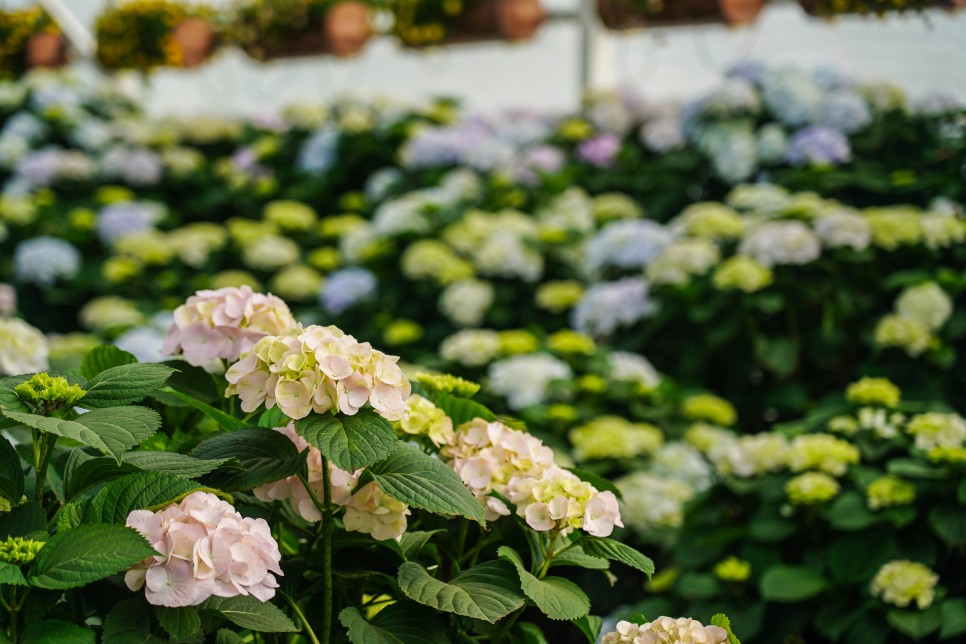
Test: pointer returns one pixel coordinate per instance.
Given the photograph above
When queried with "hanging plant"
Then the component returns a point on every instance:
(29, 39)
(424, 23)
(268, 29)
(635, 14)
(146, 34)
(829, 8)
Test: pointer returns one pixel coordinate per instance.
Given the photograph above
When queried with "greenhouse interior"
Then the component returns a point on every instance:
(497, 321)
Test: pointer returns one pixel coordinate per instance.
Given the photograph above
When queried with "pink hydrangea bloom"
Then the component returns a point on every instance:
(682, 630)
(318, 369)
(224, 324)
(206, 548)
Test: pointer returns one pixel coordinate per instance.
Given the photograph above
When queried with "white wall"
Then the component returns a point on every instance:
(921, 52)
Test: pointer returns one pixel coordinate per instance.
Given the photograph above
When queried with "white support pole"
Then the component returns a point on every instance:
(74, 30)
(597, 50)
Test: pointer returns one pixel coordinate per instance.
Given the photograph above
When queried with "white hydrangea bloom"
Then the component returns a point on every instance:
(524, 379)
(781, 242)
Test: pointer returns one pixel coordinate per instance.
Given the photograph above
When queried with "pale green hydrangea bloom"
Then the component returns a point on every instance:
(614, 437)
(571, 342)
(822, 452)
(926, 304)
(290, 215)
(902, 582)
(423, 418)
(297, 282)
(711, 408)
(109, 312)
(743, 274)
(812, 488)
(889, 491)
(873, 391)
(732, 569)
(935, 429)
(895, 226)
(903, 333)
(559, 296)
(709, 220)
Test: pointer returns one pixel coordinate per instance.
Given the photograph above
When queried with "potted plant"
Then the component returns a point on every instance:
(434, 22)
(829, 8)
(289, 28)
(634, 14)
(145, 34)
(29, 39)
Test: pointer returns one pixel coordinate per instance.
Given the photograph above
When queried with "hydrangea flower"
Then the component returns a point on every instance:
(818, 145)
(318, 152)
(44, 260)
(927, 303)
(889, 491)
(904, 333)
(120, 219)
(873, 391)
(792, 96)
(318, 369)
(606, 306)
(225, 323)
(423, 418)
(812, 488)
(625, 244)
(902, 582)
(346, 288)
(681, 260)
(466, 302)
(8, 300)
(471, 347)
(821, 452)
(614, 437)
(599, 151)
(711, 408)
(743, 274)
(781, 242)
(206, 548)
(524, 379)
(750, 455)
(136, 166)
(844, 228)
(936, 429)
(663, 135)
(845, 110)
(23, 349)
(666, 629)
(624, 366)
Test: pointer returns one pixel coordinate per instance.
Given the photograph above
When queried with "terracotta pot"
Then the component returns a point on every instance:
(820, 8)
(511, 20)
(196, 38)
(347, 28)
(46, 50)
(625, 14)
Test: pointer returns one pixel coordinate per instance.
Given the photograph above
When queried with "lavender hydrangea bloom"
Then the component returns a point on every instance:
(845, 110)
(626, 244)
(733, 150)
(608, 305)
(818, 145)
(346, 288)
(599, 150)
(43, 260)
(120, 219)
(136, 166)
(40, 168)
(24, 125)
(792, 96)
(318, 152)
(537, 160)
(472, 142)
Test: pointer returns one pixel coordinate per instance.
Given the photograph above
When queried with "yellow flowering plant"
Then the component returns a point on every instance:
(17, 27)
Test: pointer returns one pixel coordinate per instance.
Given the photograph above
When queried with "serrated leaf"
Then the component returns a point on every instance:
(590, 626)
(463, 410)
(225, 421)
(85, 554)
(70, 516)
(56, 630)
(399, 623)
(721, 621)
(488, 591)
(84, 471)
(128, 623)
(616, 551)
(123, 385)
(23, 520)
(140, 491)
(11, 473)
(556, 597)
(412, 543)
(11, 574)
(419, 480)
(248, 612)
(9, 400)
(351, 442)
(272, 418)
(110, 431)
(183, 465)
(195, 381)
(791, 584)
(575, 556)
(180, 623)
(225, 636)
(262, 456)
(104, 357)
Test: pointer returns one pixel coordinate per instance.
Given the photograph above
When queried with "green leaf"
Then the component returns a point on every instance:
(225, 421)
(103, 358)
(597, 481)
(49, 631)
(575, 556)
(778, 355)
(262, 456)
(488, 591)
(140, 491)
(180, 623)
(855, 558)
(194, 381)
(11, 574)
(85, 554)
(173, 463)
(272, 418)
(463, 410)
(84, 471)
(949, 524)
(697, 585)
(399, 623)
(248, 612)
(23, 520)
(910, 469)
(128, 623)
(124, 385)
(556, 597)
(790, 584)
(849, 512)
(225, 636)
(424, 482)
(11, 473)
(529, 633)
(412, 543)
(590, 626)
(351, 442)
(954, 618)
(110, 431)
(721, 621)
(915, 623)
(9, 400)
(617, 551)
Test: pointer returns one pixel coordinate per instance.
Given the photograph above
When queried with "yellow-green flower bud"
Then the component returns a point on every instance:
(732, 569)
(448, 384)
(873, 391)
(710, 408)
(18, 551)
(46, 393)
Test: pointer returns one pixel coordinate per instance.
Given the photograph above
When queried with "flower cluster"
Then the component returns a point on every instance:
(225, 323)
(920, 311)
(682, 630)
(205, 548)
(902, 582)
(491, 457)
(318, 369)
(23, 349)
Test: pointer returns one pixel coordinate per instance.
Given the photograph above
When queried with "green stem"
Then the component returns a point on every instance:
(507, 625)
(14, 609)
(548, 555)
(43, 451)
(326, 554)
(305, 622)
